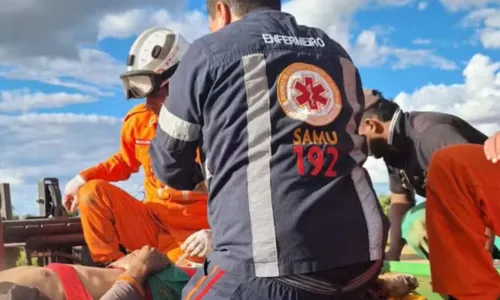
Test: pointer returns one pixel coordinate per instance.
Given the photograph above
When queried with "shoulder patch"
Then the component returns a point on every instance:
(307, 93)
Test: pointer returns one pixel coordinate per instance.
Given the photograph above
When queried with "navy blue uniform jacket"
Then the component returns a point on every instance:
(274, 108)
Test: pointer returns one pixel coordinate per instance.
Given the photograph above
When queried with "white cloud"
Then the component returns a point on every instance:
(58, 28)
(422, 5)
(476, 100)
(54, 145)
(420, 41)
(60, 59)
(336, 21)
(377, 170)
(94, 71)
(487, 22)
(91, 70)
(191, 25)
(367, 52)
(394, 2)
(66, 26)
(38, 145)
(24, 101)
(456, 5)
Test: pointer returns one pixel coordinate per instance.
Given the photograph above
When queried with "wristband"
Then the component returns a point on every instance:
(133, 282)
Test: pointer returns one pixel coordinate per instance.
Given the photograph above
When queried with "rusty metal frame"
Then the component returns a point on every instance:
(52, 230)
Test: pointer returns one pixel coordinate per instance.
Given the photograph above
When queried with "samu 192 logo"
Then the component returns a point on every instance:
(307, 93)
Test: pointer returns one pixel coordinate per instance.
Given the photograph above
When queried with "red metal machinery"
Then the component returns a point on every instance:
(50, 236)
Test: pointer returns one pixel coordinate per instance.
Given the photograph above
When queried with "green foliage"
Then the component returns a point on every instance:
(385, 202)
(11, 257)
(22, 260)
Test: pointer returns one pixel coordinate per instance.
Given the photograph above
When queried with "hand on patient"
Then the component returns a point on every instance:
(147, 256)
(198, 244)
(144, 262)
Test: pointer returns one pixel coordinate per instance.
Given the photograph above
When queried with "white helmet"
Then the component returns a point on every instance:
(152, 60)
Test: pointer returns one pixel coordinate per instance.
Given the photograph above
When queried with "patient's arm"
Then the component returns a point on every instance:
(129, 285)
(122, 290)
(97, 281)
(42, 279)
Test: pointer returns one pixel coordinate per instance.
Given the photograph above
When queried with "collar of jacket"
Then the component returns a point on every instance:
(261, 10)
(398, 134)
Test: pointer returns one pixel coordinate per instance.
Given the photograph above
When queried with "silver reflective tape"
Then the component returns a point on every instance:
(265, 250)
(371, 212)
(177, 127)
(359, 175)
(392, 126)
(350, 86)
(208, 174)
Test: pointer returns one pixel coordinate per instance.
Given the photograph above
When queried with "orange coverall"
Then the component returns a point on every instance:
(462, 202)
(110, 216)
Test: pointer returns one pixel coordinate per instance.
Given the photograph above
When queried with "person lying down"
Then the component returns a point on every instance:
(142, 274)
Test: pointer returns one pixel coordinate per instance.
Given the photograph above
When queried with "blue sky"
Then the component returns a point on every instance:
(60, 109)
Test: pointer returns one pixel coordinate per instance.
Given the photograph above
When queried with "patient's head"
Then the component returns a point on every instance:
(12, 291)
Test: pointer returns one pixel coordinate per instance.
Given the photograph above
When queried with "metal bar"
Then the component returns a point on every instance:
(2, 249)
(42, 221)
(23, 236)
(54, 241)
(5, 202)
(19, 231)
(13, 245)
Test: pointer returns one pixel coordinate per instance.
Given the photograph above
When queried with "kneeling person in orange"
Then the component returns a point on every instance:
(463, 208)
(110, 216)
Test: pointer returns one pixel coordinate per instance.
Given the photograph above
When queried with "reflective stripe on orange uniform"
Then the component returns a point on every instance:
(184, 210)
(139, 128)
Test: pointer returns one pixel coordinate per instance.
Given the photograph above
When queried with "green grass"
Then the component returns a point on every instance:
(420, 270)
(16, 257)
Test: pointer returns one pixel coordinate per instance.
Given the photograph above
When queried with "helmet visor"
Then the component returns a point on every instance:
(138, 86)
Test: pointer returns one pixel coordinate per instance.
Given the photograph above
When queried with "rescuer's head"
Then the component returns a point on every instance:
(376, 122)
(152, 60)
(224, 12)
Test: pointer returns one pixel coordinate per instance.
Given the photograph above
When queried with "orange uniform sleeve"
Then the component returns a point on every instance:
(120, 165)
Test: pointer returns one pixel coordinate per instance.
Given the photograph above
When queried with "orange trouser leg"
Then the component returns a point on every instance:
(181, 220)
(463, 191)
(110, 217)
(188, 214)
(175, 234)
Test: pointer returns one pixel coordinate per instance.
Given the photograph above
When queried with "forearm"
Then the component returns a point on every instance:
(122, 290)
(129, 285)
(114, 169)
(396, 214)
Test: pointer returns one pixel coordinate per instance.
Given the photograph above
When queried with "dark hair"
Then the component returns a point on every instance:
(243, 7)
(12, 291)
(383, 109)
